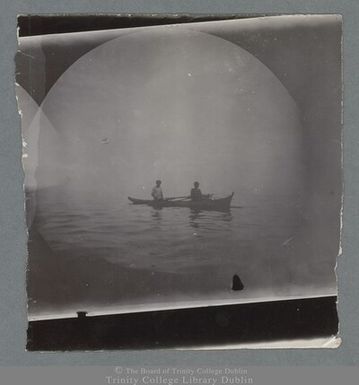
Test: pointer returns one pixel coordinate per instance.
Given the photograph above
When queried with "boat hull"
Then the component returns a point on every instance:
(204, 204)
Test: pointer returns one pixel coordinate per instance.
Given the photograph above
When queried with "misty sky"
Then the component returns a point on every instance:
(169, 104)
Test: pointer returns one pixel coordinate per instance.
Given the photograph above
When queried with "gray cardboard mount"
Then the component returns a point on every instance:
(12, 224)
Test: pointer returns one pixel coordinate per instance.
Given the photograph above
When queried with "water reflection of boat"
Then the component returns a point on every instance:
(220, 204)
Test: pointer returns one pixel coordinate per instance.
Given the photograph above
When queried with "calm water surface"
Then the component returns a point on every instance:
(117, 253)
(166, 239)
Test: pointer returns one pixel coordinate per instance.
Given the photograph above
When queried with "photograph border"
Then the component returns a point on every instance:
(13, 235)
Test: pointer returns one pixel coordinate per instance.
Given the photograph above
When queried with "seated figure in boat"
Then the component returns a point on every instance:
(157, 193)
(196, 193)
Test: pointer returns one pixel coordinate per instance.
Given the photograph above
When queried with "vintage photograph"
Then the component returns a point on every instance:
(182, 180)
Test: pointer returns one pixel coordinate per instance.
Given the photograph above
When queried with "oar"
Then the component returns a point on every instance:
(187, 197)
(172, 198)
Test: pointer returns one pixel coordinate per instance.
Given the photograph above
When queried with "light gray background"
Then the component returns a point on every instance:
(12, 225)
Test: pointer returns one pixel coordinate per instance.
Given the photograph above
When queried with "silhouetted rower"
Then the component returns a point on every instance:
(196, 193)
(157, 193)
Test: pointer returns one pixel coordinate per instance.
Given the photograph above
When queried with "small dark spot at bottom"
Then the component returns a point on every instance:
(237, 283)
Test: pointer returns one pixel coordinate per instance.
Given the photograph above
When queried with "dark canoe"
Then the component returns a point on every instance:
(204, 204)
